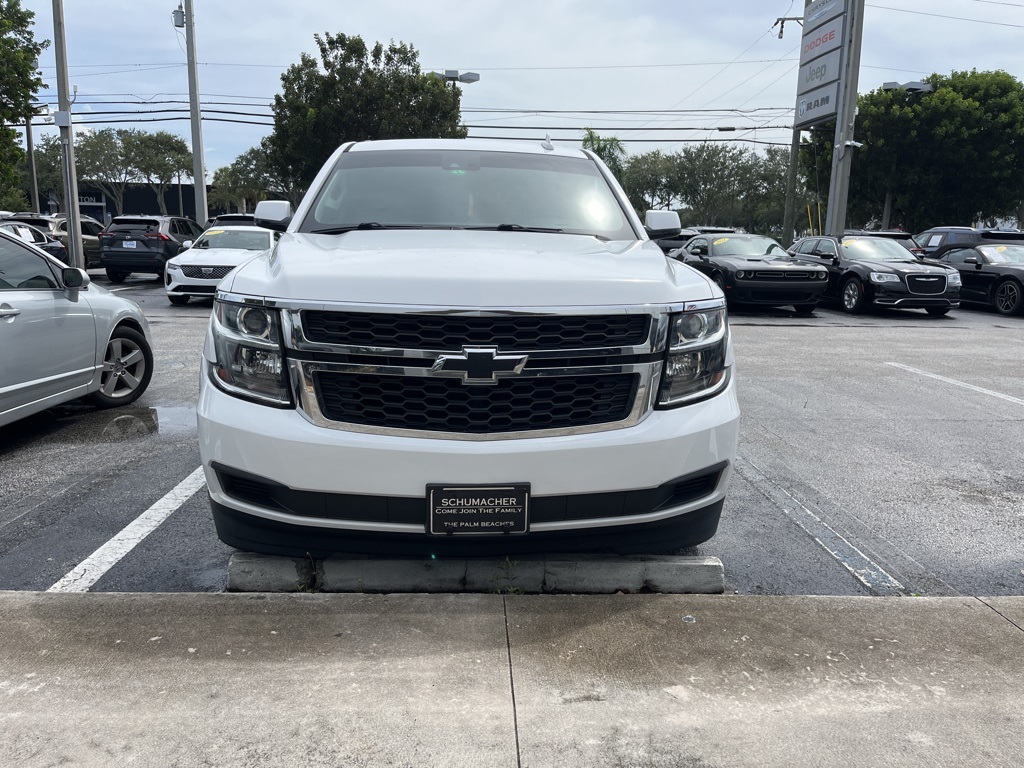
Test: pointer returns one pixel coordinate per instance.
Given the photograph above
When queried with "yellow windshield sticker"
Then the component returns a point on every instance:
(847, 243)
(214, 232)
(1001, 248)
(721, 240)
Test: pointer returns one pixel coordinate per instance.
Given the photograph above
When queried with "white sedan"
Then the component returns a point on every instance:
(198, 270)
(62, 337)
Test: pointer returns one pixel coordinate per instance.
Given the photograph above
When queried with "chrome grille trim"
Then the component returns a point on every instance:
(301, 371)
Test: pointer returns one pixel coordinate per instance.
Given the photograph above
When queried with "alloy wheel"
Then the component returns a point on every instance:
(124, 368)
(1007, 297)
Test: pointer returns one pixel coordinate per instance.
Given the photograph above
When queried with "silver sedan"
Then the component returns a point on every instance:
(64, 338)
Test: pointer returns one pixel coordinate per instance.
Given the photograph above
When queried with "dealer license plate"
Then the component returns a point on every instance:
(468, 509)
(129, 243)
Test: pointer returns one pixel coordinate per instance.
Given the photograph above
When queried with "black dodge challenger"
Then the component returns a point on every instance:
(754, 269)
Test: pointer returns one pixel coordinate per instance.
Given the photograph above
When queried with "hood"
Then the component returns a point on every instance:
(763, 262)
(462, 268)
(213, 256)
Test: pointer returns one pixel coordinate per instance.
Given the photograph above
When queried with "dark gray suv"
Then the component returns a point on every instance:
(143, 244)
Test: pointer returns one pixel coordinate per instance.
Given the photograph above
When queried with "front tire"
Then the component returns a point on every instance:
(804, 309)
(127, 369)
(937, 311)
(177, 300)
(1009, 298)
(117, 275)
(852, 296)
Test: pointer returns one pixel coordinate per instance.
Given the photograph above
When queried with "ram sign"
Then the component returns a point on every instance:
(822, 55)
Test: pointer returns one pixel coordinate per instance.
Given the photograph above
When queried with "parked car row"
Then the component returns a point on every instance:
(129, 244)
(866, 268)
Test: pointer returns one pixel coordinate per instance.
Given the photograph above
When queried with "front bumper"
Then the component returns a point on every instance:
(176, 283)
(771, 293)
(900, 297)
(279, 447)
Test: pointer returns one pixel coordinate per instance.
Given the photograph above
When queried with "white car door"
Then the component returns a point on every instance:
(47, 334)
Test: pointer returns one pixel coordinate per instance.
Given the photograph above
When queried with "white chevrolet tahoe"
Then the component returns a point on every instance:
(466, 347)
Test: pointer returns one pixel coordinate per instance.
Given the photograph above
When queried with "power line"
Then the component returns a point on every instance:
(941, 16)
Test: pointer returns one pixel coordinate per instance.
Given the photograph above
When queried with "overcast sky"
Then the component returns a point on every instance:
(625, 66)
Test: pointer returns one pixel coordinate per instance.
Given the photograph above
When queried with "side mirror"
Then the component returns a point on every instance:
(659, 224)
(75, 279)
(971, 260)
(273, 214)
(187, 244)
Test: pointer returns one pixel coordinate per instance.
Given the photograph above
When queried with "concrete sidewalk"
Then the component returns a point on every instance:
(491, 680)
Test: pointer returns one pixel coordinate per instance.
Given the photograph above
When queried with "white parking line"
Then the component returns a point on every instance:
(860, 566)
(954, 382)
(90, 570)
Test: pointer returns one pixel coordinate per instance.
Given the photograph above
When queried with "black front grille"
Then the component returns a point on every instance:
(783, 274)
(444, 332)
(197, 273)
(928, 285)
(448, 405)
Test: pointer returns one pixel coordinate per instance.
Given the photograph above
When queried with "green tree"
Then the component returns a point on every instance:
(18, 86)
(352, 92)
(762, 205)
(104, 158)
(609, 148)
(646, 181)
(708, 179)
(250, 178)
(952, 156)
(49, 175)
(159, 158)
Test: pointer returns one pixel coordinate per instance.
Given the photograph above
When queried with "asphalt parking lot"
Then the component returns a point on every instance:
(879, 455)
(872, 562)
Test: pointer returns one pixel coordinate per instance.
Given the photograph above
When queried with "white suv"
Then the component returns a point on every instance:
(466, 347)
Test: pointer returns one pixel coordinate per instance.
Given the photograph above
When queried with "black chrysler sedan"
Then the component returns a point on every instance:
(868, 271)
(991, 274)
(754, 269)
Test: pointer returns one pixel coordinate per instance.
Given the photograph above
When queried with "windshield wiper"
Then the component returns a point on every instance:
(518, 228)
(349, 228)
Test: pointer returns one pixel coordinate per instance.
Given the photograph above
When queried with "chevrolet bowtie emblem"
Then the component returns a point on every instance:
(479, 365)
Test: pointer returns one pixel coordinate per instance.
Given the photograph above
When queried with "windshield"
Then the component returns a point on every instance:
(748, 246)
(243, 241)
(434, 188)
(876, 249)
(1004, 254)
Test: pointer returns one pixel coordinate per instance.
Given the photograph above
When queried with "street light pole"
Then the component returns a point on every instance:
(30, 148)
(76, 256)
(186, 19)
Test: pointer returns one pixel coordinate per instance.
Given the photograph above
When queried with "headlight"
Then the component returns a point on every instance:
(823, 275)
(954, 279)
(884, 277)
(249, 358)
(740, 274)
(695, 364)
(172, 267)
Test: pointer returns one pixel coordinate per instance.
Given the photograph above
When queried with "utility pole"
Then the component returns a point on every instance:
(76, 256)
(187, 20)
(842, 154)
(789, 215)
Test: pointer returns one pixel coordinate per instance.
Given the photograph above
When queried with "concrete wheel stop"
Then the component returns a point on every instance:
(540, 574)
